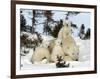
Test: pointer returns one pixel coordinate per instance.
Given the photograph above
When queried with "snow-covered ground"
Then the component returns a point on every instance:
(84, 58)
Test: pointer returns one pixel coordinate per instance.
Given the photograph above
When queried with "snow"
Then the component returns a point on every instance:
(26, 60)
(33, 37)
(82, 18)
(84, 45)
(38, 66)
(25, 33)
(47, 38)
(84, 58)
(85, 51)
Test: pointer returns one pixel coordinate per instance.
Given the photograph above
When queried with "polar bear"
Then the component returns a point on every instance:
(67, 58)
(41, 53)
(68, 43)
(51, 45)
(57, 51)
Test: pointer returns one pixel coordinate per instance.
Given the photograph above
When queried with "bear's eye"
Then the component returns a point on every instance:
(67, 25)
(66, 33)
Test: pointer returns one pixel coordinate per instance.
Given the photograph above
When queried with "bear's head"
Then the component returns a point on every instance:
(45, 44)
(66, 23)
(67, 26)
(58, 42)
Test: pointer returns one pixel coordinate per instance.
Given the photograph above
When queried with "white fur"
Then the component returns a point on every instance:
(68, 43)
(67, 58)
(51, 45)
(41, 53)
(57, 51)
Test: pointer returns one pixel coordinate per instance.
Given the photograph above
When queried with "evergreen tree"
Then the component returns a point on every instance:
(82, 32)
(23, 40)
(74, 25)
(71, 13)
(33, 21)
(48, 14)
(22, 22)
(60, 63)
(56, 29)
(87, 35)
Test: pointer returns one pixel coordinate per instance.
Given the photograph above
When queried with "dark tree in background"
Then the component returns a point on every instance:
(87, 35)
(23, 40)
(56, 29)
(22, 22)
(74, 25)
(49, 20)
(33, 21)
(27, 30)
(71, 13)
(35, 14)
(48, 14)
(82, 32)
(60, 63)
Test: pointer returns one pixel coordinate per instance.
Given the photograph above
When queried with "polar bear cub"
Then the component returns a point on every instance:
(41, 53)
(51, 45)
(57, 51)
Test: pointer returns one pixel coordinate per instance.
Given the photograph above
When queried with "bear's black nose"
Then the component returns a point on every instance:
(48, 46)
(76, 59)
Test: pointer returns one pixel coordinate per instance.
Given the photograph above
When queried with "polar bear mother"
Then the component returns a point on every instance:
(68, 43)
